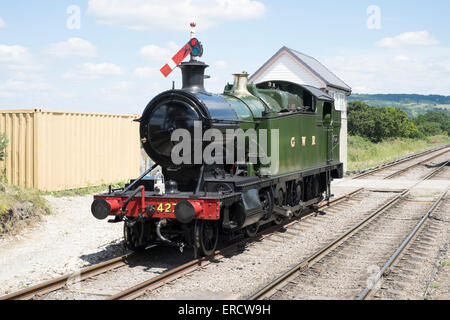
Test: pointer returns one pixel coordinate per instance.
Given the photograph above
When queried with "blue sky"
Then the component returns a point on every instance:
(111, 62)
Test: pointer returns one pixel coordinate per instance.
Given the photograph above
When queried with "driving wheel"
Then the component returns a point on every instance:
(206, 236)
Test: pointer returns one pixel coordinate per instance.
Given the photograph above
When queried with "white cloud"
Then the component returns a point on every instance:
(2, 23)
(116, 89)
(14, 54)
(21, 81)
(27, 76)
(68, 95)
(408, 39)
(7, 94)
(93, 71)
(123, 85)
(446, 65)
(375, 72)
(145, 72)
(221, 64)
(154, 52)
(24, 67)
(19, 85)
(401, 58)
(174, 14)
(102, 69)
(72, 47)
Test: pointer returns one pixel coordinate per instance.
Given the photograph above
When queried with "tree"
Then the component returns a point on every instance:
(433, 122)
(377, 123)
(362, 121)
(430, 128)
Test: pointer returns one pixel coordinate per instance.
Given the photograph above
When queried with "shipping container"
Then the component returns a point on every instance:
(58, 150)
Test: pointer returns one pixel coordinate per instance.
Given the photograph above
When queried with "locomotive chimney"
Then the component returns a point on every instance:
(193, 73)
(240, 84)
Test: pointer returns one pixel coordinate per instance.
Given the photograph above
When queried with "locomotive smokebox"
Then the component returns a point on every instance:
(193, 73)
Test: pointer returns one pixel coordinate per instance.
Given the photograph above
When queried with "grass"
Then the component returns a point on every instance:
(84, 191)
(15, 197)
(434, 285)
(364, 154)
(16, 194)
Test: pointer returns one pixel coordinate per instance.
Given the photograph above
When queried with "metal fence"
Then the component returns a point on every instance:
(52, 150)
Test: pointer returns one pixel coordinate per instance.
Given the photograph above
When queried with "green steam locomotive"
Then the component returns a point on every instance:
(232, 162)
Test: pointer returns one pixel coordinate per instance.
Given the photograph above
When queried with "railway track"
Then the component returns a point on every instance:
(417, 251)
(171, 275)
(183, 269)
(321, 269)
(420, 260)
(61, 282)
(254, 262)
(48, 287)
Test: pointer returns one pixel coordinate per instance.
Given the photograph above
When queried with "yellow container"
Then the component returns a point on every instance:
(58, 150)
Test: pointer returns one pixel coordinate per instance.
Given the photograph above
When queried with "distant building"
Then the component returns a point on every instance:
(296, 67)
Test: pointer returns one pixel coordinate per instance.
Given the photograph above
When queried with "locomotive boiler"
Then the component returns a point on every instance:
(223, 177)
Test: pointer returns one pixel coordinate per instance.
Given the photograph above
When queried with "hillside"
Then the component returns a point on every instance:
(412, 104)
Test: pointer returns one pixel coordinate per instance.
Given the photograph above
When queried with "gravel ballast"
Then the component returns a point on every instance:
(65, 241)
(70, 239)
(242, 273)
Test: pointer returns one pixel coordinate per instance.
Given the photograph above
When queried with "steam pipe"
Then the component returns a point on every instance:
(200, 180)
(135, 192)
(140, 178)
(164, 239)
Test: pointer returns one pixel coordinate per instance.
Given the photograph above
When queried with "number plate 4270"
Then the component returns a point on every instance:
(165, 207)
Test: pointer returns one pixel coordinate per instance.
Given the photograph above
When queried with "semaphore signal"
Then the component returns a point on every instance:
(193, 47)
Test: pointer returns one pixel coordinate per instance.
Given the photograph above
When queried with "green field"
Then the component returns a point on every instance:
(412, 104)
(364, 154)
